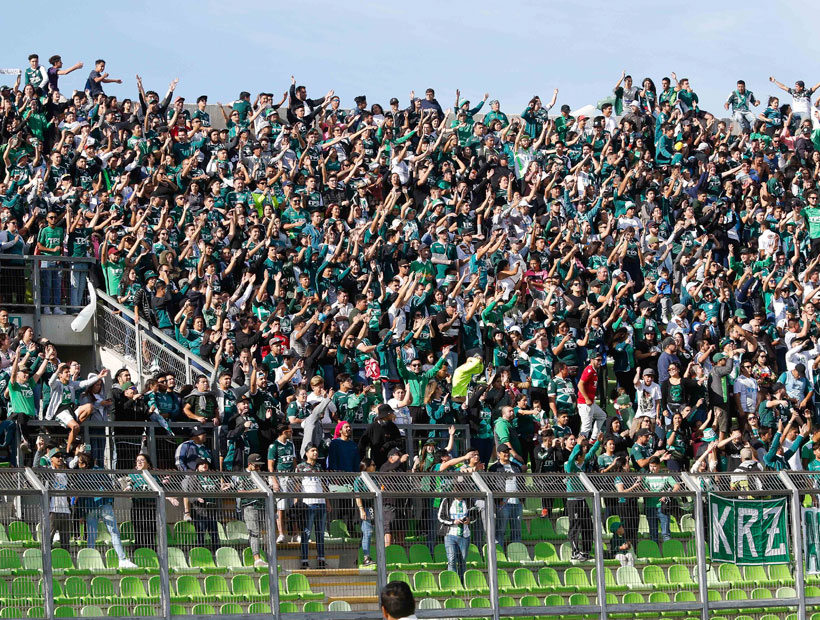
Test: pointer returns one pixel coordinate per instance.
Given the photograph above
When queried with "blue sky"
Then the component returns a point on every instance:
(512, 49)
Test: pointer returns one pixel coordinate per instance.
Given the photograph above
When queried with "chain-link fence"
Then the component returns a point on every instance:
(79, 542)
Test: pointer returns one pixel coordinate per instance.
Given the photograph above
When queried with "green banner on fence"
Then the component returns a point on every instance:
(811, 540)
(745, 531)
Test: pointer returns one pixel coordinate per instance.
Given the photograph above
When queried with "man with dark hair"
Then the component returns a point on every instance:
(397, 602)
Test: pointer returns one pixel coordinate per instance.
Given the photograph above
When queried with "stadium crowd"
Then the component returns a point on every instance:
(424, 264)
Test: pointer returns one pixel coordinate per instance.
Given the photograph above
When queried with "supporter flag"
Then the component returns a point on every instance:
(81, 320)
(811, 539)
(747, 532)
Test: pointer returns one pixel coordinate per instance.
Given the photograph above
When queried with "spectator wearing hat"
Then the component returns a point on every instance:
(381, 436)
(59, 507)
(416, 382)
(253, 513)
(189, 454)
(592, 416)
(510, 510)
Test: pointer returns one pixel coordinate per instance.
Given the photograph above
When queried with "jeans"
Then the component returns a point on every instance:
(655, 516)
(456, 548)
(79, 282)
(592, 419)
(367, 534)
(204, 523)
(509, 513)
(254, 518)
(51, 282)
(104, 513)
(317, 513)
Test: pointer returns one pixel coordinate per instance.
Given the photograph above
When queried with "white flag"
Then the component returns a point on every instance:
(82, 319)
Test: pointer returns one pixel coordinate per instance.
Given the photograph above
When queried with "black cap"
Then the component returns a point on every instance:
(202, 461)
(503, 448)
(255, 459)
(197, 430)
(395, 451)
(643, 433)
(394, 101)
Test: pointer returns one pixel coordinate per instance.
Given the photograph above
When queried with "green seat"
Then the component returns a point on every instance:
(231, 609)
(36, 612)
(147, 560)
(541, 529)
(146, 611)
(576, 578)
(525, 581)
(201, 558)
(92, 611)
(237, 532)
(20, 532)
(314, 607)
(609, 580)
(454, 603)
(757, 575)
(33, 560)
(188, 589)
(118, 611)
(339, 606)
(628, 576)
(203, 609)
(440, 554)
(185, 533)
(288, 608)
(12, 612)
(74, 588)
(518, 554)
(260, 608)
(399, 575)
(505, 584)
(337, 531)
(449, 582)
(474, 556)
(429, 603)
(216, 587)
(298, 584)
(64, 612)
(562, 527)
(781, 574)
(760, 594)
(475, 582)
(61, 561)
(653, 575)
(178, 610)
(227, 559)
(24, 587)
(713, 595)
(501, 560)
(736, 594)
(395, 556)
(545, 552)
(420, 556)
(786, 592)
(10, 562)
(729, 573)
(673, 549)
(177, 563)
(553, 600)
(90, 562)
(133, 589)
(548, 579)
(679, 575)
(647, 549)
(245, 586)
(662, 598)
(102, 590)
(685, 596)
(155, 587)
(424, 583)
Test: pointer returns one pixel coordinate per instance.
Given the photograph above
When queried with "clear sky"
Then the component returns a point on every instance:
(511, 49)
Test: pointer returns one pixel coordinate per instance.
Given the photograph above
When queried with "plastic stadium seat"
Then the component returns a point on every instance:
(517, 553)
(395, 556)
(247, 560)
(133, 589)
(246, 587)
(12, 612)
(229, 609)
(61, 561)
(216, 587)
(449, 582)
(155, 587)
(24, 587)
(118, 611)
(541, 529)
(647, 549)
(314, 607)
(298, 584)
(672, 549)
(786, 592)
(757, 575)
(75, 588)
(474, 556)
(237, 532)
(64, 612)
(679, 575)
(553, 600)
(562, 527)
(147, 560)
(475, 582)
(781, 574)
(10, 562)
(227, 559)
(454, 603)
(548, 579)
(545, 552)
(685, 596)
(525, 581)
(576, 578)
(188, 589)
(736, 594)
(729, 573)
(178, 564)
(92, 611)
(90, 562)
(33, 560)
(565, 552)
(501, 559)
(201, 558)
(339, 606)
(20, 532)
(653, 575)
(505, 584)
(429, 603)
(288, 608)
(420, 556)
(184, 533)
(609, 580)
(628, 576)
(259, 608)
(102, 590)
(424, 583)
(203, 609)
(146, 611)
(399, 575)
(178, 610)
(440, 554)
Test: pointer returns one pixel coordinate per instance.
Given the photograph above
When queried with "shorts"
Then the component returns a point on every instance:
(722, 420)
(65, 416)
(388, 516)
(285, 502)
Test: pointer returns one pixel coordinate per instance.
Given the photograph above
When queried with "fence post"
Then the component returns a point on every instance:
(600, 573)
(162, 546)
(408, 439)
(797, 529)
(273, 563)
(45, 543)
(138, 352)
(700, 543)
(36, 295)
(378, 517)
(492, 559)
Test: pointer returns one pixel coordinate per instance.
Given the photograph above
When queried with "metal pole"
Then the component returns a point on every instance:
(152, 443)
(378, 517)
(700, 543)
(36, 295)
(797, 538)
(492, 560)
(162, 546)
(273, 564)
(408, 438)
(138, 353)
(45, 542)
(600, 575)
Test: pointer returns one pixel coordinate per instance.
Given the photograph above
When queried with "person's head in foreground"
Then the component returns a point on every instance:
(397, 601)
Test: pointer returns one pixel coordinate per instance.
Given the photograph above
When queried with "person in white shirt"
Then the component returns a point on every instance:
(747, 394)
(648, 393)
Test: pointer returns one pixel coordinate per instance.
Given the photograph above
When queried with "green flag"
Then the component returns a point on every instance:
(747, 532)
(811, 540)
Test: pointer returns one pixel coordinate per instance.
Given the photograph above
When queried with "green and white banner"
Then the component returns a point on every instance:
(747, 532)
(811, 540)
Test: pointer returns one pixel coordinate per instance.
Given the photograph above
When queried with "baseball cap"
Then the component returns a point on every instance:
(197, 430)
(746, 454)
(55, 452)
(149, 274)
(648, 372)
(643, 433)
(255, 459)
(503, 448)
(718, 357)
(394, 451)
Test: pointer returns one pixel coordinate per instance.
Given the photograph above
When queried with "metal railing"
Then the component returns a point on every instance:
(148, 348)
(44, 284)
(228, 560)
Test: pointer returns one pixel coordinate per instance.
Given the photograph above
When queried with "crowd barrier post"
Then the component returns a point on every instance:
(378, 518)
(700, 543)
(162, 546)
(600, 574)
(45, 543)
(270, 536)
(797, 540)
(492, 559)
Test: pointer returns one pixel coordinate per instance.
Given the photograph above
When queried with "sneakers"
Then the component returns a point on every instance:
(305, 565)
(126, 563)
(579, 556)
(321, 564)
(260, 563)
(46, 310)
(280, 539)
(59, 311)
(296, 539)
(544, 513)
(187, 517)
(368, 561)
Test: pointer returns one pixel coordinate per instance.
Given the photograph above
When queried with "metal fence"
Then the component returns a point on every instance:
(128, 543)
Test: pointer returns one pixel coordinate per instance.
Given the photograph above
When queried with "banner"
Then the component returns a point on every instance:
(811, 540)
(748, 532)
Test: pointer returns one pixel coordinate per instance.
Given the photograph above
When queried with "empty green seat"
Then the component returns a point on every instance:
(429, 603)
(227, 559)
(147, 560)
(424, 583)
(475, 582)
(185, 533)
(201, 558)
(74, 588)
(673, 549)
(339, 606)
(33, 560)
(20, 532)
(628, 576)
(188, 589)
(440, 554)
(37, 611)
(146, 611)
(102, 590)
(216, 587)
(61, 561)
(92, 611)
(178, 610)
(118, 611)
(647, 549)
(736, 594)
(245, 586)
(399, 575)
(609, 580)
(395, 556)
(10, 562)
(474, 556)
(298, 584)
(288, 608)
(685, 596)
(64, 612)
(576, 578)
(729, 573)
(786, 592)
(653, 575)
(454, 603)
(524, 580)
(133, 589)
(757, 575)
(90, 562)
(781, 574)
(518, 554)
(25, 587)
(679, 575)
(420, 556)
(12, 612)
(314, 607)
(259, 608)
(203, 609)
(449, 582)
(562, 527)
(545, 552)
(505, 584)
(177, 563)
(548, 579)
(237, 532)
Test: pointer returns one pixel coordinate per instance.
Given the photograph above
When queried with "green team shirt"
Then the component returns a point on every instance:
(563, 392)
(113, 271)
(283, 455)
(657, 484)
(22, 398)
(540, 367)
(639, 452)
(78, 242)
(52, 238)
(812, 215)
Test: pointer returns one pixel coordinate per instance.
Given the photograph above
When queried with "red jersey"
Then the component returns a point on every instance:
(589, 379)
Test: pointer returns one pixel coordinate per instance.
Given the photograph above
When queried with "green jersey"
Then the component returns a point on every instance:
(657, 484)
(563, 393)
(282, 456)
(540, 367)
(52, 238)
(22, 398)
(812, 215)
(113, 271)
